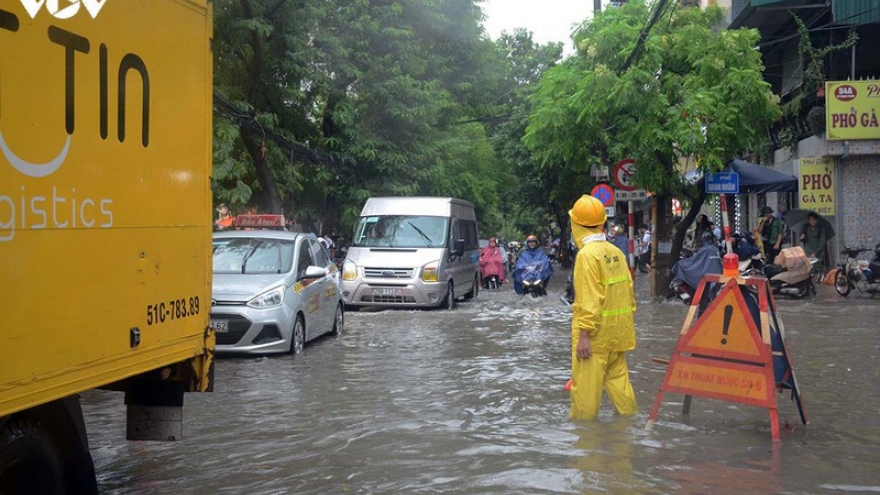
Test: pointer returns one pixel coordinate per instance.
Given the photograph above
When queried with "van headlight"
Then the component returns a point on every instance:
(268, 299)
(430, 272)
(349, 270)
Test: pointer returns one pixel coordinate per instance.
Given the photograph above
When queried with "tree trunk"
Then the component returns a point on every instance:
(663, 262)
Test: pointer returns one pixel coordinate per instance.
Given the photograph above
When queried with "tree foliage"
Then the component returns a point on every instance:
(691, 91)
(385, 95)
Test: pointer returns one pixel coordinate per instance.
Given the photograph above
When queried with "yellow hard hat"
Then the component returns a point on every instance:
(588, 211)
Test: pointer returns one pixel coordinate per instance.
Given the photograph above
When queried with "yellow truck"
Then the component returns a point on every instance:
(105, 225)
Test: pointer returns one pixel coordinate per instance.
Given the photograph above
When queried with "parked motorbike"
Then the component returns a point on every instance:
(862, 275)
(687, 272)
(793, 276)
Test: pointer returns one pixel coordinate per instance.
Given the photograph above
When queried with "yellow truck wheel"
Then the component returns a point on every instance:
(29, 461)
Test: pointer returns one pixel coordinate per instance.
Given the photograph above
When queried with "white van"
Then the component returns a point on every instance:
(410, 252)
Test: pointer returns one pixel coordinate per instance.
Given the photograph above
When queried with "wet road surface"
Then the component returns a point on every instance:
(471, 402)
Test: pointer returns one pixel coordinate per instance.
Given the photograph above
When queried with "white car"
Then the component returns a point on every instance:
(273, 291)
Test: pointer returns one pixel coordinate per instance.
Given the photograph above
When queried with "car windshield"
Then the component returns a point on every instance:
(249, 255)
(401, 231)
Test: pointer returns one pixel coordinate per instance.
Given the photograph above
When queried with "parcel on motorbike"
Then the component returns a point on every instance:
(533, 269)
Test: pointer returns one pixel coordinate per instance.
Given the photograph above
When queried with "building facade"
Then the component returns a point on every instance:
(838, 168)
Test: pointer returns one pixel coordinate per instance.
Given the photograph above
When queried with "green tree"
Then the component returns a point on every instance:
(340, 102)
(529, 195)
(661, 87)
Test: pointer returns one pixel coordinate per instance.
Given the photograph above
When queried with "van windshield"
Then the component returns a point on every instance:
(401, 231)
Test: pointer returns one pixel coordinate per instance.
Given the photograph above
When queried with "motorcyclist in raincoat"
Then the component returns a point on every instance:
(491, 262)
(691, 270)
(533, 254)
(602, 323)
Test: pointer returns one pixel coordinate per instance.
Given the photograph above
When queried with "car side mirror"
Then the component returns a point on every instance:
(314, 272)
(458, 247)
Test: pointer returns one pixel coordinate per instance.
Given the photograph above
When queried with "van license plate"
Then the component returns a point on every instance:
(220, 326)
(387, 292)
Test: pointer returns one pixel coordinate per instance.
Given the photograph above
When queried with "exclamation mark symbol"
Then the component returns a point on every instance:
(728, 313)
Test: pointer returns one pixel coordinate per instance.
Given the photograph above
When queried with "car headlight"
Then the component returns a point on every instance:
(349, 270)
(268, 299)
(430, 272)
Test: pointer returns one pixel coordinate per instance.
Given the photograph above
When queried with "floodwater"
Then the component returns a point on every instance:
(471, 402)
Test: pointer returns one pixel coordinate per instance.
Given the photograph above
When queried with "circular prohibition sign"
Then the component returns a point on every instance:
(623, 173)
(603, 193)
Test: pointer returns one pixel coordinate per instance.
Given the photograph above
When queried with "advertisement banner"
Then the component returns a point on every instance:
(816, 186)
(852, 110)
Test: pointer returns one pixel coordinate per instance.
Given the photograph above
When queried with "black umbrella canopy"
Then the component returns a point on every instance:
(797, 220)
(755, 178)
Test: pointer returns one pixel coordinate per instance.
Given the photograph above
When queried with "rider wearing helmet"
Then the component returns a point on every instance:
(531, 255)
(602, 326)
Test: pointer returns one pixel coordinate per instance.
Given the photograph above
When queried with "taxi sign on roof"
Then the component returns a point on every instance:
(259, 221)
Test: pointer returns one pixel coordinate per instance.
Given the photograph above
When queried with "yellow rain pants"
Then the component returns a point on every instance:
(604, 308)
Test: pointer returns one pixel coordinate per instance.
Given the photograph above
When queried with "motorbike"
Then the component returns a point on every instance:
(531, 283)
(339, 260)
(687, 272)
(492, 269)
(793, 277)
(862, 275)
(513, 248)
(492, 282)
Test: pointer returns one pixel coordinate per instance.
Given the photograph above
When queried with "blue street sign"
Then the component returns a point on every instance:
(722, 183)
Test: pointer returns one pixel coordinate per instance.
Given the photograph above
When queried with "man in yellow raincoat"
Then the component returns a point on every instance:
(602, 325)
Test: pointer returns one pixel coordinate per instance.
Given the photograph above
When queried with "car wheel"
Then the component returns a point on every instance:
(449, 300)
(475, 290)
(298, 338)
(338, 321)
(29, 461)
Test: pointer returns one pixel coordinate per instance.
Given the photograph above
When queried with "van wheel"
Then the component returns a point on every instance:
(298, 337)
(449, 300)
(29, 462)
(475, 290)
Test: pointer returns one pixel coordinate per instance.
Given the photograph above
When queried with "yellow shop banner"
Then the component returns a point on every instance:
(817, 185)
(852, 110)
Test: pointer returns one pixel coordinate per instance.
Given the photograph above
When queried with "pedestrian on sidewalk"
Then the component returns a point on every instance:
(602, 323)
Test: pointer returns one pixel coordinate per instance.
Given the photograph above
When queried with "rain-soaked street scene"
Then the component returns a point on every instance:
(471, 401)
(381, 247)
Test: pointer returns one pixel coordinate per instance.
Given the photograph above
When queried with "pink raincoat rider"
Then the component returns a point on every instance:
(491, 261)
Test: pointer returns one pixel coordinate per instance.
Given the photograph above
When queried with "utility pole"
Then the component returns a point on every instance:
(597, 7)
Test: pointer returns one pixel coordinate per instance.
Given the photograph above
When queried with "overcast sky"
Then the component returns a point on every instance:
(549, 20)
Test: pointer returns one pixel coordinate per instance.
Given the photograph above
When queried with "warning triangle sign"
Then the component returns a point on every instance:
(726, 329)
